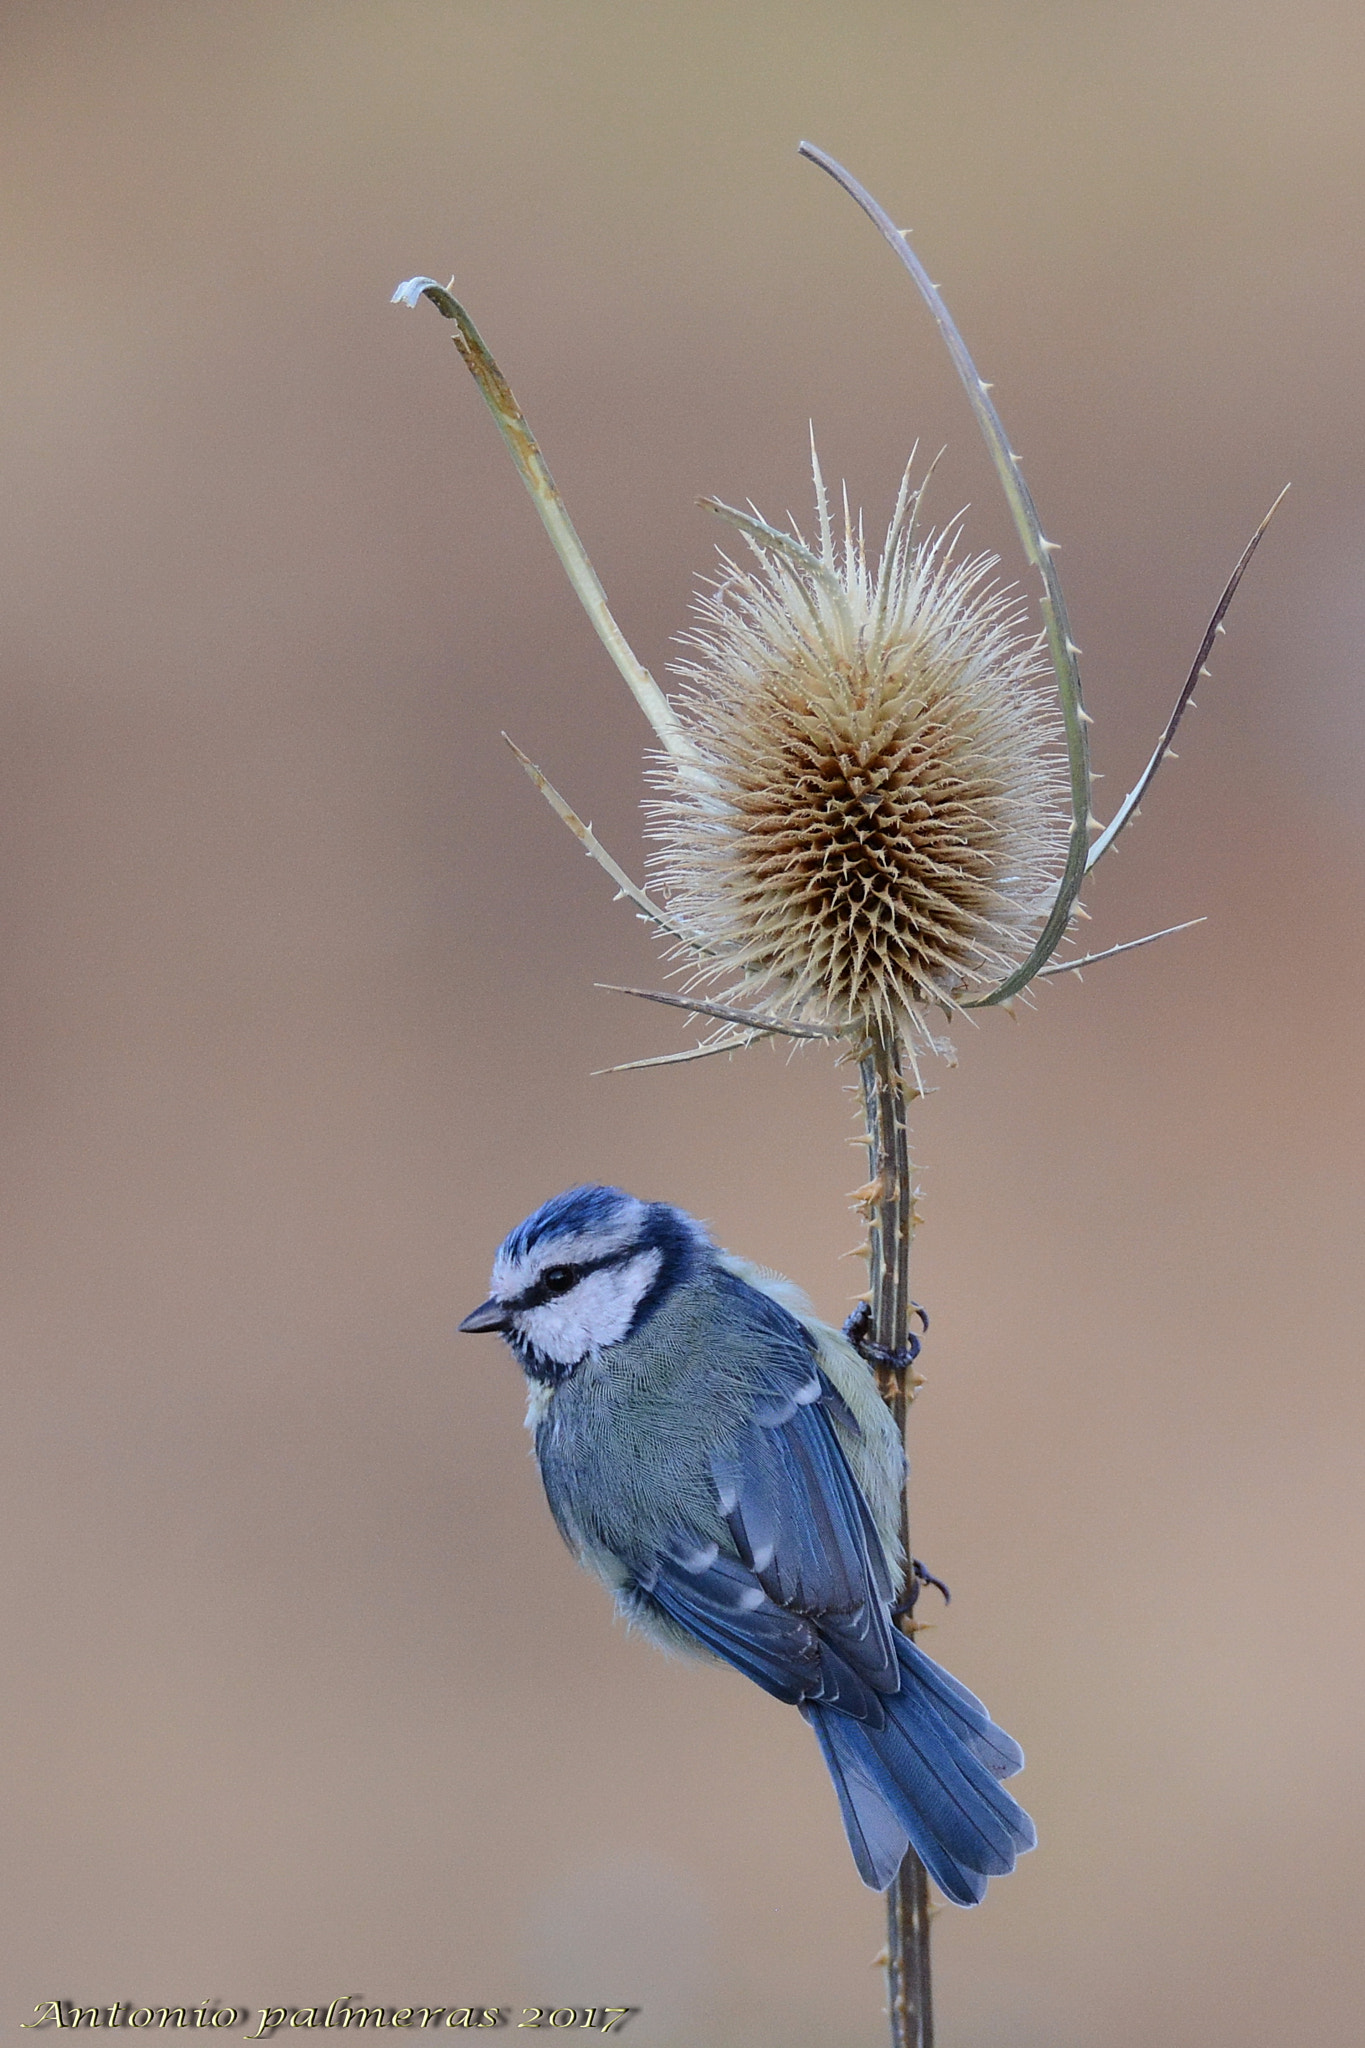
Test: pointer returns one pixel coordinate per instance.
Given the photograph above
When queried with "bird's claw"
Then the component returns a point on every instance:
(919, 1578)
(858, 1330)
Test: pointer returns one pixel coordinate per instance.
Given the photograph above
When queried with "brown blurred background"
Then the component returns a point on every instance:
(297, 1015)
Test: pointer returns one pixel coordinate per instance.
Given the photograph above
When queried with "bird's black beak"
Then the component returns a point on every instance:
(490, 1315)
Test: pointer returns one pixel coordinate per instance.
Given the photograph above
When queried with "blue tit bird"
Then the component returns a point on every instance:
(723, 1460)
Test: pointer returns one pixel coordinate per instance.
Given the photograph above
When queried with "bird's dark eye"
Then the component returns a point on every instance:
(558, 1279)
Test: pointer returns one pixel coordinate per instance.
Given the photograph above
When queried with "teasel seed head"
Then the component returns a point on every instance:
(872, 814)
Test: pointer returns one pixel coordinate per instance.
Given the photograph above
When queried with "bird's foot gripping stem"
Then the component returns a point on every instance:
(858, 1330)
(919, 1579)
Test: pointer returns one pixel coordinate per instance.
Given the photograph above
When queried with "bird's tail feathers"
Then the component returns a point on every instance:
(962, 1710)
(929, 1779)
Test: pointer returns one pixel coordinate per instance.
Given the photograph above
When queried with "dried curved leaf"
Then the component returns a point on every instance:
(535, 474)
(1061, 646)
(1128, 946)
(593, 846)
(1128, 808)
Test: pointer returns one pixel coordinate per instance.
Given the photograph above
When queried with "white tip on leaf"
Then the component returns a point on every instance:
(408, 294)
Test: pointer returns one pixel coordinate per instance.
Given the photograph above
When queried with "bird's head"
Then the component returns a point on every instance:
(585, 1271)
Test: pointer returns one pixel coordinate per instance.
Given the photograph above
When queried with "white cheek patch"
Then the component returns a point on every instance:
(595, 1313)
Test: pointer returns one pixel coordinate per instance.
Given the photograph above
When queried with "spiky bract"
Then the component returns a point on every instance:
(874, 816)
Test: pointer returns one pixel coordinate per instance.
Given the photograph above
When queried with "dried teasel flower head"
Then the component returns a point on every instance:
(864, 805)
(872, 814)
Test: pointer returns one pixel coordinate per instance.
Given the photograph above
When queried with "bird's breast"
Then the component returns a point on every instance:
(625, 1444)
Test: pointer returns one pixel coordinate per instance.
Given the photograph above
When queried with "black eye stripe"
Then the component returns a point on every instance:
(538, 1293)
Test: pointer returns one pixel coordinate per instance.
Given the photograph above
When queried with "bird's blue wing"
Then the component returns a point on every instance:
(718, 1600)
(794, 1509)
(803, 1606)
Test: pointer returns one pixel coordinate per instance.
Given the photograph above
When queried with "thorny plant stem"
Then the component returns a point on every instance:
(890, 1205)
